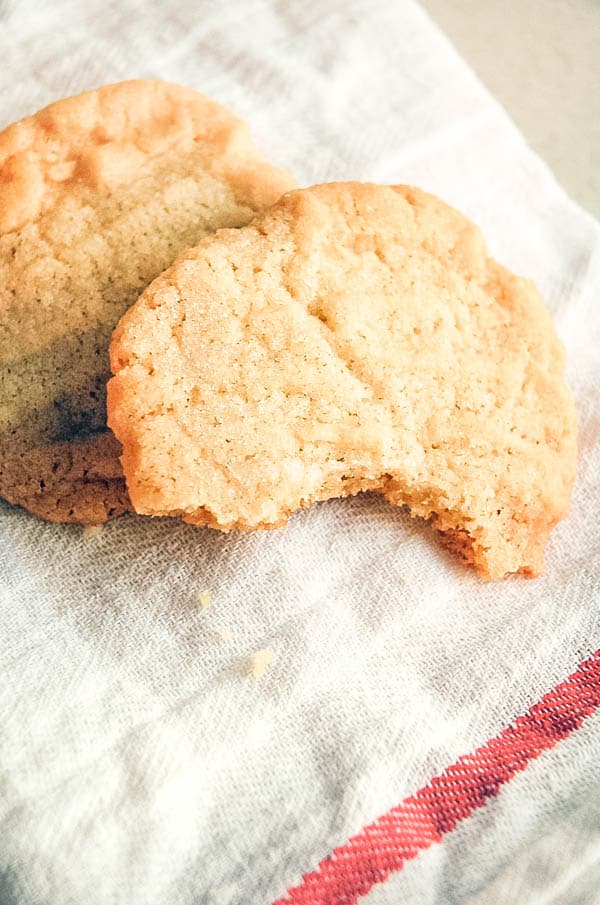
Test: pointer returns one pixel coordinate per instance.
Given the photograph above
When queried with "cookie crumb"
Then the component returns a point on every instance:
(260, 662)
(92, 530)
(224, 634)
(204, 599)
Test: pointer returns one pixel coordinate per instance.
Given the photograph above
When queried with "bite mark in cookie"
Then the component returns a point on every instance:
(354, 337)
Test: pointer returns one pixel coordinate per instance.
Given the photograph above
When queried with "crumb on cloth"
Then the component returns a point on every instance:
(204, 598)
(260, 662)
(224, 634)
(92, 530)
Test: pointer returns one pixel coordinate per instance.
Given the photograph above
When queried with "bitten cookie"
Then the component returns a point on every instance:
(354, 337)
(98, 194)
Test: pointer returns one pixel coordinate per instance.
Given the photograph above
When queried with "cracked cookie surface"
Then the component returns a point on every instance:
(354, 337)
(98, 194)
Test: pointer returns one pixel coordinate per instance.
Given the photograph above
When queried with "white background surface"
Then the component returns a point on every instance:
(541, 60)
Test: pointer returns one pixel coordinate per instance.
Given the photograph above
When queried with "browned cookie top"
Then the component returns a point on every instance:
(98, 194)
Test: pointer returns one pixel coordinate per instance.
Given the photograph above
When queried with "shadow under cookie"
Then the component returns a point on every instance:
(57, 458)
(72, 481)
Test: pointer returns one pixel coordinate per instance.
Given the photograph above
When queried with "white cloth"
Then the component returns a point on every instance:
(138, 763)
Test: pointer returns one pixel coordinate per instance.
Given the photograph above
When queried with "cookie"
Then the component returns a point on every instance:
(98, 195)
(353, 337)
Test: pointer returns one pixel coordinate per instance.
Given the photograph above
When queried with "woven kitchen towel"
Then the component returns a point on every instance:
(425, 736)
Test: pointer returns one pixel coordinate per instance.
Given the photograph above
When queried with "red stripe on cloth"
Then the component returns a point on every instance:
(384, 846)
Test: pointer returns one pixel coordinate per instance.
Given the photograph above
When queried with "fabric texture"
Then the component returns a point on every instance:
(140, 763)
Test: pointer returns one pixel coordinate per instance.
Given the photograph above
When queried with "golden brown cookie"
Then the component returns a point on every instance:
(98, 194)
(354, 337)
